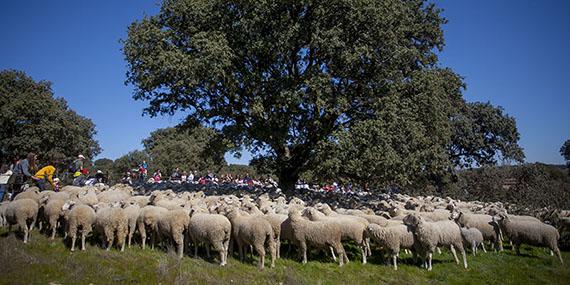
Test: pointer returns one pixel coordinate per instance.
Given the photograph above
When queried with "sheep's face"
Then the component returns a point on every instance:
(412, 220)
(68, 206)
(501, 217)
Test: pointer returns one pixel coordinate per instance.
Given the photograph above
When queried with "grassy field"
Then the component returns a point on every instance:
(43, 261)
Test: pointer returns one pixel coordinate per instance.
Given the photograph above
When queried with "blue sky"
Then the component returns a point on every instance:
(511, 53)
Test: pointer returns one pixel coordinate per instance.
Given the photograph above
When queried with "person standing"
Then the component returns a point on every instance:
(21, 173)
(5, 174)
(44, 175)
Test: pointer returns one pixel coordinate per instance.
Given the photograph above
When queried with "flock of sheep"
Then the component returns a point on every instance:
(421, 225)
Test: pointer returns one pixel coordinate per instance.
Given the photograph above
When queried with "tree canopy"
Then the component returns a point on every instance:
(342, 87)
(197, 148)
(32, 119)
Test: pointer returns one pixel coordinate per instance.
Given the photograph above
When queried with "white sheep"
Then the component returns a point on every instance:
(484, 223)
(173, 225)
(320, 234)
(430, 235)
(530, 232)
(274, 219)
(212, 229)
(254, 231)
(23, 213)
(352, 227)
(473, 238)
(112, 221)
(78, 216)
(30, 193)
(132, 210)
(53, 212)
(148, 221)
(392, 239)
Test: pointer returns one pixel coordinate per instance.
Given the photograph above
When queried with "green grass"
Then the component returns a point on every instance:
(43, 261)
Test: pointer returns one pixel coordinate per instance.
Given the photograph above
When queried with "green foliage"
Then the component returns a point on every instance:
(279, 77)
(31, 119)
(530, 186)
(197, 148)
(128, 162)
(345, 89)
(482, 133)
(565, 152)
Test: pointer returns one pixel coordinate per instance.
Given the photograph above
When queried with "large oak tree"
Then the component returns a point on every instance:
(289, 79)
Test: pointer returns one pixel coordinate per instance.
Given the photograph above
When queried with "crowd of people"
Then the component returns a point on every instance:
(24, 171)
(141, 176)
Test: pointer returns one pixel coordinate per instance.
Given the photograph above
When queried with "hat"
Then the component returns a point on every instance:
(81, 156)
(56, 179)
(99, 171)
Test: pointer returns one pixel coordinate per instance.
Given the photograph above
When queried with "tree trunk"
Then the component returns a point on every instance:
(287, 180)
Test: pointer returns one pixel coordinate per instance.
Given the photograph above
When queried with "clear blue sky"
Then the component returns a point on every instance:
(512, 53)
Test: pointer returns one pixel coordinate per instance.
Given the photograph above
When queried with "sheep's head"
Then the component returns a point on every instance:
(68, 205)
(412, 220)
(44, 200)
(455, 215)
(294, 213)
(501, 217)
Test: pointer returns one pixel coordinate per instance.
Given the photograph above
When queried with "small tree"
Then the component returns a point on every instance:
(31, 119)
(565, 152)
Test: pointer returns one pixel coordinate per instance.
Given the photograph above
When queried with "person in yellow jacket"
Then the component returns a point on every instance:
(44, 175)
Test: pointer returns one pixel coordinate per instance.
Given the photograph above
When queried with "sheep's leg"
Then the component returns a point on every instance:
(395, 261)
(341, 253)
(219, 247)
(84, 233)
(142, 231)
(483, 247)
(109, 236)
(278, 246)
(53, 225)
(364, 252)
(303, 251)
(26, 232)
(73, 236)
(517, 248)
(272, 251)
(195, 248)
(240, 249)
(430, 255)
(500, 242)
(557, 253)
(462, 250)
(208, 251)
(332, 253)
(452, 248)
(131, 233)
(121, 236)
(474, 248)
(259, 248)
(438, 250)
(180, 245)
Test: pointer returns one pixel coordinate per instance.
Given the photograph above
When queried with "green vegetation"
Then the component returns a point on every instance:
(43, 261)
(33, 119)
(343, 89)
